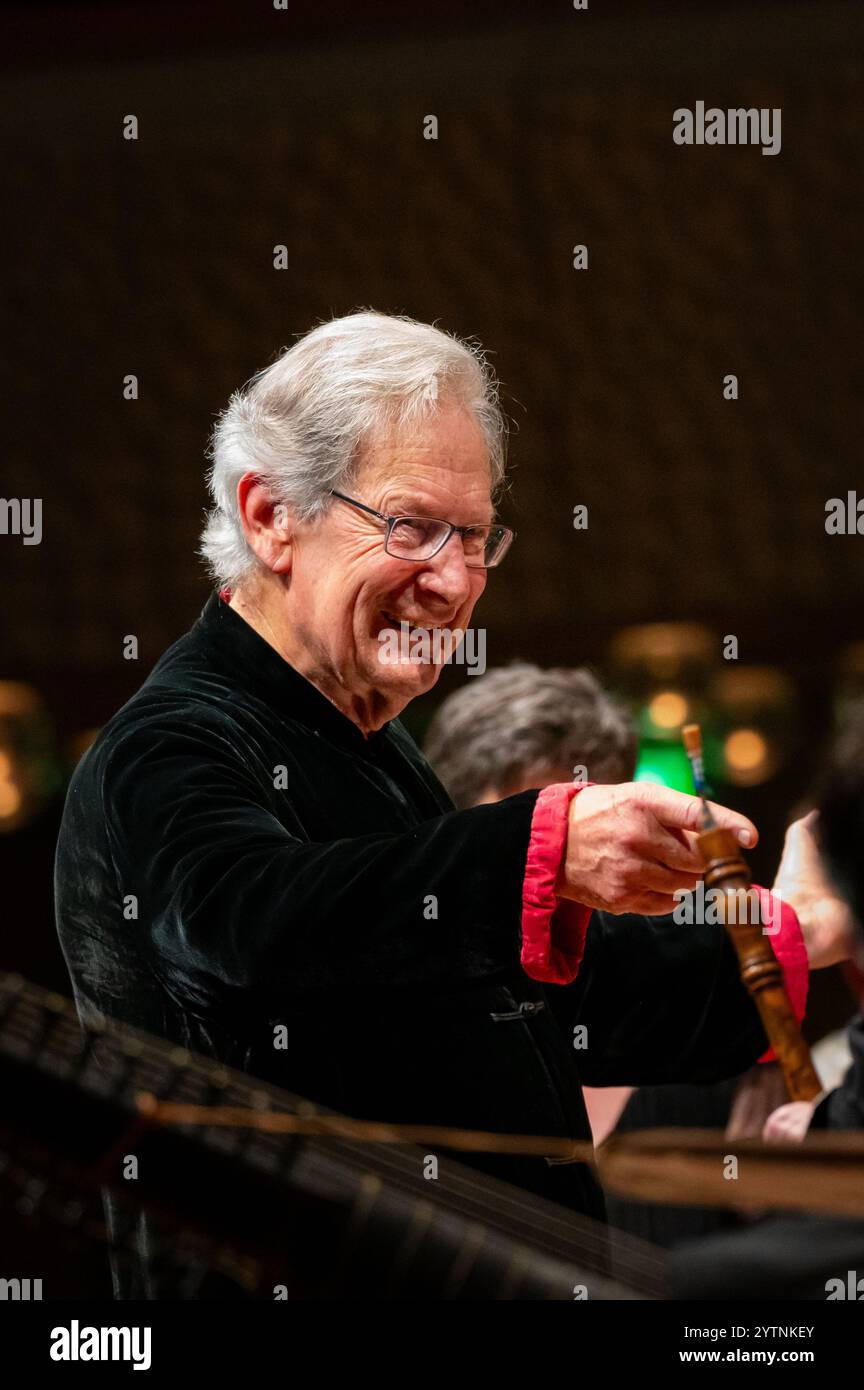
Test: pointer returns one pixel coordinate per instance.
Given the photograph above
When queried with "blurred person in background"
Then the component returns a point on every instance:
(521, 726)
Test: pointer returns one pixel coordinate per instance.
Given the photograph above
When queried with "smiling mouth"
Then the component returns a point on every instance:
(396, 623)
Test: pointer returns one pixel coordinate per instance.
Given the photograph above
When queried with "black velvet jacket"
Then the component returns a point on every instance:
(235, 855)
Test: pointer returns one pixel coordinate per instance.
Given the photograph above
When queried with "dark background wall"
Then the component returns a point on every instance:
(305, 127)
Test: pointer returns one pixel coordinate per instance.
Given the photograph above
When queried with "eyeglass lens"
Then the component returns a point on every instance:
(418, 538)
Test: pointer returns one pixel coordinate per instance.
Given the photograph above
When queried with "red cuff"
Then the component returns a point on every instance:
(553, 928)
(787, 942)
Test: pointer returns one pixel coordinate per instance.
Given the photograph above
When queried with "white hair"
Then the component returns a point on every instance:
(302, 423)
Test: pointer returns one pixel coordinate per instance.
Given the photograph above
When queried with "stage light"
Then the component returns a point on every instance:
(668, 710)
(662, 670)
(750, 758)
(10, 794)
(29, 772)
(758, 709)
(664, 651)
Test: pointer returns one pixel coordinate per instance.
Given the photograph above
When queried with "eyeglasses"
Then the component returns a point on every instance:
(420, 537)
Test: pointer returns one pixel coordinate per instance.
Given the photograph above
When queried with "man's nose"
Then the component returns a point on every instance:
(447, 573)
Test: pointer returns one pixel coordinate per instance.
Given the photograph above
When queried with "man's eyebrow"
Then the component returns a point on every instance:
(403, 505)
(406, 504)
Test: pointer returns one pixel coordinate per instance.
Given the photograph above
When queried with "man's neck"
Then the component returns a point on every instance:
(369, 710)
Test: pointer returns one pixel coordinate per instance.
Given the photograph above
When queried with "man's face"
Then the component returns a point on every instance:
(345, 589)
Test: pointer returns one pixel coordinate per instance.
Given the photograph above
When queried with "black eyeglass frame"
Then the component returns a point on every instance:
(452, 528)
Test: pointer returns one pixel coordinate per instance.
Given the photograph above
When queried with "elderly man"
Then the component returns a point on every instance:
(254, 843)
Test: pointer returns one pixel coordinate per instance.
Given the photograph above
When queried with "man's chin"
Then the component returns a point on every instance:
(402, 681)
(414, 678)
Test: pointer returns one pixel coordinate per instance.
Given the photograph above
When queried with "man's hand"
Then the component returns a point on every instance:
(630, 848)
(826, 922)
(790, 1123)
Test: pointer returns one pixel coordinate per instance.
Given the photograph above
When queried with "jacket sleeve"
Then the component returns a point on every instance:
(843, 1108)
(659, 1002)
(230, 898)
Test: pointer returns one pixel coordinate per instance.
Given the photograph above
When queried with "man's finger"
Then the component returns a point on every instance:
(744, 829)
(657, 878)
(673, 808)
(675, 853)
(688, 838)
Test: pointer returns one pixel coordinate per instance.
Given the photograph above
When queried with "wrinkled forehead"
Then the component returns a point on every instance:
(440, 462)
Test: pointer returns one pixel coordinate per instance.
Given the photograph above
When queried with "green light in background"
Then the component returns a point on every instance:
(664, 763)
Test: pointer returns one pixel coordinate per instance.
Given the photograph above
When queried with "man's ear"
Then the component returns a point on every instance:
(267, 525)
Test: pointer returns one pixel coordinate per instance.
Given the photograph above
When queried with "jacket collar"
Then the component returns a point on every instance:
(238, 651)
